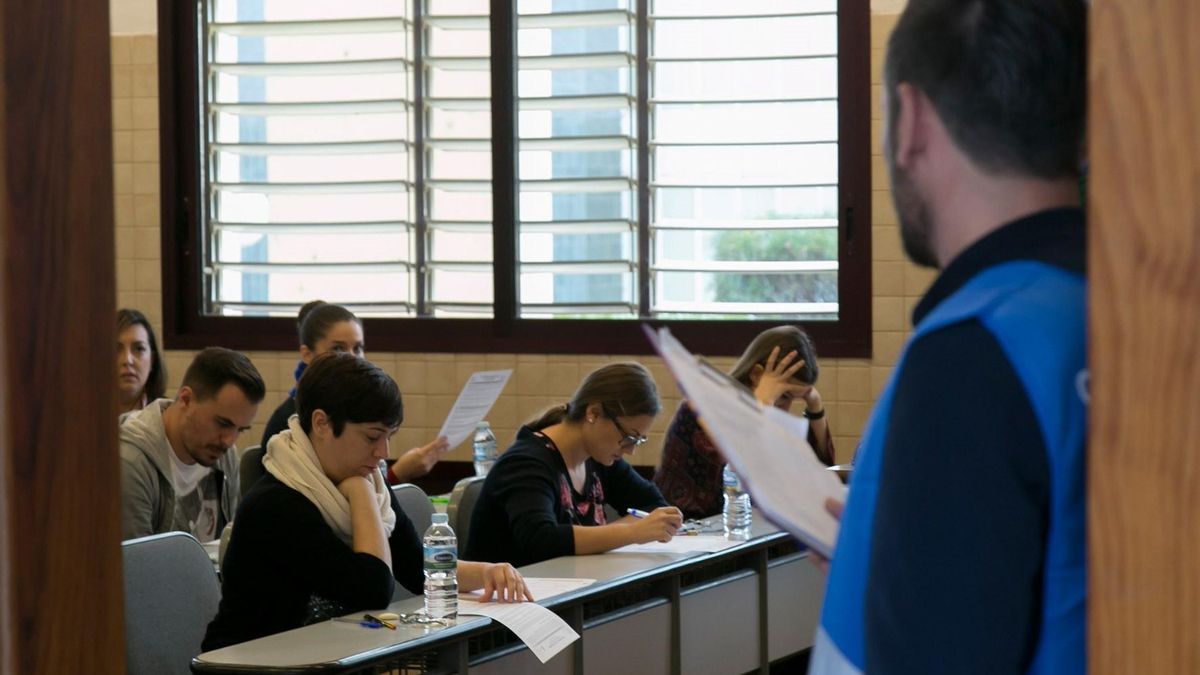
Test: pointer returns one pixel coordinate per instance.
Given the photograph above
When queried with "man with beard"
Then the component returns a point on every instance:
(962, 548)
(179, 469)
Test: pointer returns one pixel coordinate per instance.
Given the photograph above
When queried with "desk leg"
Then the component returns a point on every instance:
(575, 620)
(764, 629)
(671, 591)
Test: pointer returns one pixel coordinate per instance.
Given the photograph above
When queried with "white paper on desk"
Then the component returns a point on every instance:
(473, 404)
(705, 543)
(768, 448)
(543, 631)
(544, 587)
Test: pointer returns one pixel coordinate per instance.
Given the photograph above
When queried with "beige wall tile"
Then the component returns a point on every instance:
(144, 113)
(121, 51)
(145, 81)
(144, 49)
(887, 314)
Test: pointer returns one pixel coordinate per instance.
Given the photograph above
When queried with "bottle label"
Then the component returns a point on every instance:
(441, 557)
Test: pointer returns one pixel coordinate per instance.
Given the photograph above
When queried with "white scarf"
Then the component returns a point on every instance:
(290, 458)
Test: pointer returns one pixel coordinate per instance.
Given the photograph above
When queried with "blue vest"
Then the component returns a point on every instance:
(1037, 313)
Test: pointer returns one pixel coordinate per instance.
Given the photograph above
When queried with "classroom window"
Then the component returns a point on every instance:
(686, 162)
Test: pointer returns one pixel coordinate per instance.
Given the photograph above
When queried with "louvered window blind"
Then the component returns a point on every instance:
(675, 158)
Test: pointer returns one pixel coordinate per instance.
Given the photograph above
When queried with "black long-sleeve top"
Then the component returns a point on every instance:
(282, 554)
(528, 507)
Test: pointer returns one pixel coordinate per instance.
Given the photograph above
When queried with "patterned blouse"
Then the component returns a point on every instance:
(689, 473)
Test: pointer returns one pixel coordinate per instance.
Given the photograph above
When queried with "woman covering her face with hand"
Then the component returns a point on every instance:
(780, 367)
(326, 327)
(545, 496)
(321, 534)
(141, 375)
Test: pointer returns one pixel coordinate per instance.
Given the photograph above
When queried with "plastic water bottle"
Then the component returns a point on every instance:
(737, 514)
(441, 569)
(485, 448)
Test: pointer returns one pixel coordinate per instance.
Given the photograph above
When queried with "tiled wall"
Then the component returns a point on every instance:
(431, 381)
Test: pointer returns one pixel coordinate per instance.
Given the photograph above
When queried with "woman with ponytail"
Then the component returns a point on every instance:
(545, 496)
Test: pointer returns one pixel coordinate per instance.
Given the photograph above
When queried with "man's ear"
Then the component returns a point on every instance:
(910, 132)
(185, 397)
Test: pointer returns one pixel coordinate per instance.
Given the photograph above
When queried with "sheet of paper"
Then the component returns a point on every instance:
(543, 631)
(705, 543)
(767, 447)
(544, 587)
(473, 404)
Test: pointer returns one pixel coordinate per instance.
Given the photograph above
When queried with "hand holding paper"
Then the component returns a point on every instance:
(473, 404)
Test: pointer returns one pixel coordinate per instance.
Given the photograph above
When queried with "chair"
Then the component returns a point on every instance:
(415, 504)
(251, 468)
(171, 594)
(462, 505)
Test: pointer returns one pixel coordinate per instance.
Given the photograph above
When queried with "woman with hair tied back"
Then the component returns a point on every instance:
(141, 375)
(325, 327)
(779, 366)
(545, 496)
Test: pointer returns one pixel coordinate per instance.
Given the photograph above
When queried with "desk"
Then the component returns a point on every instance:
(730, 611)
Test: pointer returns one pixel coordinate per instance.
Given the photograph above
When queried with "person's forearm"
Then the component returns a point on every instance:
(601, 538)
(369, 536)
(470, 575)
(820, 430)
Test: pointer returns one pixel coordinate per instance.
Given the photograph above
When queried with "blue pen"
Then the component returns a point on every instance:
(637, 513)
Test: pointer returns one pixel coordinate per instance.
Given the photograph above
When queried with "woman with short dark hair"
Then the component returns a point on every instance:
(321, 534)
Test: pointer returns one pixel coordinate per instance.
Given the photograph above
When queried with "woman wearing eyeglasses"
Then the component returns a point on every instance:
(780, 367)
(545, 496)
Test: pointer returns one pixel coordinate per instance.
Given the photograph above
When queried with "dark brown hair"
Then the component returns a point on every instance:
(214, 367)
(348, 388)
(317, 317)
(622, 390)
(788, 338)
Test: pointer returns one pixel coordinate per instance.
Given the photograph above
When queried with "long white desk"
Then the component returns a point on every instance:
(730, 611)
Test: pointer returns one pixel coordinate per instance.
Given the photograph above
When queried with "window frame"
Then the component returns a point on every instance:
(184, 327)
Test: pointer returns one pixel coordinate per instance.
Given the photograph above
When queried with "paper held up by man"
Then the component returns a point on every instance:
(767, 447)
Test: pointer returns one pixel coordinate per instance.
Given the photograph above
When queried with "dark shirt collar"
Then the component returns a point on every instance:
(1056, 237)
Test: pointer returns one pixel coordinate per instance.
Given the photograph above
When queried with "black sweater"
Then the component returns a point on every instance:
(282, 553)
(528, 506)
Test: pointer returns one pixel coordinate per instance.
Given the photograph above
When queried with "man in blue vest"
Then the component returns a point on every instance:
(962, 547)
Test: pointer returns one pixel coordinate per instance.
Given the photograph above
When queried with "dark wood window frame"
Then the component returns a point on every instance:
(185, 327)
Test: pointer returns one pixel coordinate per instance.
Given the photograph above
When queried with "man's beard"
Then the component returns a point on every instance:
(916, 227)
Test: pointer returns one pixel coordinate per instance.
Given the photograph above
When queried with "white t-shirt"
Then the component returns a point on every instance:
(195, 511)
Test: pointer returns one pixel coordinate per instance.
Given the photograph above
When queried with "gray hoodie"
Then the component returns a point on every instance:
(147, 496)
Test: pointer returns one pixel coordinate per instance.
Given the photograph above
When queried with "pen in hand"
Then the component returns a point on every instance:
(636, 513)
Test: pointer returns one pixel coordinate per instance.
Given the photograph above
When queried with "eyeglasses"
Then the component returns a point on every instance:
(628, 439)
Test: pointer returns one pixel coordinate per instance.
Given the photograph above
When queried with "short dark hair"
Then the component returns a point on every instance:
(215, 367)
(156, 382)
(317, 317)
(788, 339)
(623, 389)
(348, 388)
(1007, 77)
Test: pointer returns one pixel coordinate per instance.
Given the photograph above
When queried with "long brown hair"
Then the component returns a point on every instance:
(622, 390)
(788, 338)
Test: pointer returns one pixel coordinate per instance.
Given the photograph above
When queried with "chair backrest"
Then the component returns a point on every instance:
(462, 505)
(171, 594)
(251, 468)
(416, 505)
